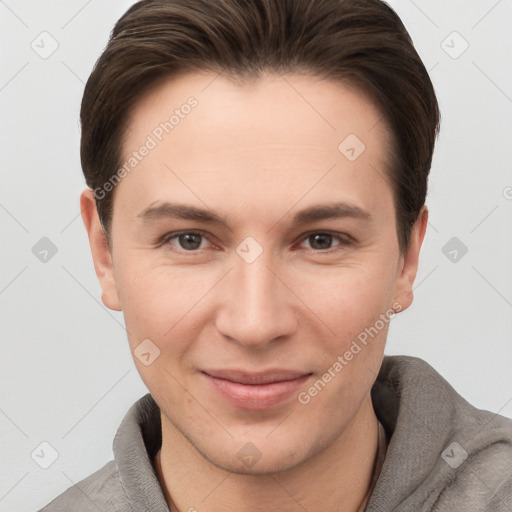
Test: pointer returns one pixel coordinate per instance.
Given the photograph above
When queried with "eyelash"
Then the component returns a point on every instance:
(343, 239)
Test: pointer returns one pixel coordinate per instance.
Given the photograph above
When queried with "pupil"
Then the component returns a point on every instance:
(192, 241)
(324, 237)
(187, 241)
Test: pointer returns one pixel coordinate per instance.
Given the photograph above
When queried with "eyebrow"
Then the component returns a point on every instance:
(166, 210)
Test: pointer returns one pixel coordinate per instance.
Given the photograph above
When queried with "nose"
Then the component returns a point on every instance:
(257, 306)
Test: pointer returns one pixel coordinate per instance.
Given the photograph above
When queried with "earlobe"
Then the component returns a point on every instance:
(405, 279)
(100, 250)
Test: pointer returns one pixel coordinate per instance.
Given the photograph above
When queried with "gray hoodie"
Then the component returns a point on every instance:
(443, 453)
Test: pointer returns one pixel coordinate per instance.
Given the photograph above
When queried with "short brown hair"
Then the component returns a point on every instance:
(361, 42)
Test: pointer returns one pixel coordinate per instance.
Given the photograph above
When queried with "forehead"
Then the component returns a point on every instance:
(311, 108)
(275, 135)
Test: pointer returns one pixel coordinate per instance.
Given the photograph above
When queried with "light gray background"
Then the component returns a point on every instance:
(66, 371)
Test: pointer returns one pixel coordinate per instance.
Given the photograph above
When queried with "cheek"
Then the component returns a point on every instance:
(159, 315)
(356, 308)
(152, 299)
(165, 303)
(169, 305)
(348, 299)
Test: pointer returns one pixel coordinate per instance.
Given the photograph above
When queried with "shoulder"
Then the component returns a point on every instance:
(478, 463)
(101, 490)
(447, 454)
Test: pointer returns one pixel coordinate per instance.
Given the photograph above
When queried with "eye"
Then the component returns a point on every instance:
(186, 240)
(322, 241)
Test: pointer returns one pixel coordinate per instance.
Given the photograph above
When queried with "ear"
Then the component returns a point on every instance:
(409, 263)
(100, 250)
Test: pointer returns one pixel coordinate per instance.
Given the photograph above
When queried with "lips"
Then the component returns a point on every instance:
(248, 378)
(256, 391)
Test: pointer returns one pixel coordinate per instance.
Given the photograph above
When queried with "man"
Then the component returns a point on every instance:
(257, 174)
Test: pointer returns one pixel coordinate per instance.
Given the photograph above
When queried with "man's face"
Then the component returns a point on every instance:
(275, 293)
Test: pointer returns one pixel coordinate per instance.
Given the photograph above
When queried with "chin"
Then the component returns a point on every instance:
(249, 460)
(260, 468)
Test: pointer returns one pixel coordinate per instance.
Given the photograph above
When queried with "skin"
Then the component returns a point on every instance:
(256, 153)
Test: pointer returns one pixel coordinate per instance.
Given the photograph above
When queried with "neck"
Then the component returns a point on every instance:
(338, 478)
